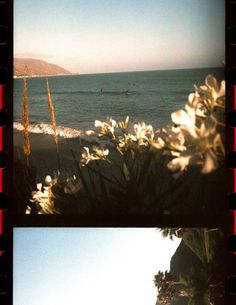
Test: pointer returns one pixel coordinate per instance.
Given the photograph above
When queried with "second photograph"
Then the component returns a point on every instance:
(103, 266)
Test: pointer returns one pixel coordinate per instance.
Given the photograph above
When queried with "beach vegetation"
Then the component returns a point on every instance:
(135, 169)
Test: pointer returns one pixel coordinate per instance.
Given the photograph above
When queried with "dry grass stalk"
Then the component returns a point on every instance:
(54, 124)
(52, 114)
(207, 244)
(25, 119)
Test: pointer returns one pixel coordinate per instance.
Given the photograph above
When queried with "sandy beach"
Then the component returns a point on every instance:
(44, 153)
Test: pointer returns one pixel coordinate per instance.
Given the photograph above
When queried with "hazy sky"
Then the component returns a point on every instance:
(89, 36)
(76, 266)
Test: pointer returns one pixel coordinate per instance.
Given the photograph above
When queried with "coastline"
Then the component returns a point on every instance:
(118, 72)
(38, 76)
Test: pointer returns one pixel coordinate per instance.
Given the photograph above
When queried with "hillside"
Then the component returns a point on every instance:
(183, 260)
(35, 67)
(196, 273)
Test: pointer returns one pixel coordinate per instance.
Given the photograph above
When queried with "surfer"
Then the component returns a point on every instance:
(127, 92)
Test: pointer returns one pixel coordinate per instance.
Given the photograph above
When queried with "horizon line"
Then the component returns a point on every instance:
(152, 70)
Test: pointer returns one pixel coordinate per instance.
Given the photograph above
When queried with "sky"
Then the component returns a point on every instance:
(98, 36)
(86, 266)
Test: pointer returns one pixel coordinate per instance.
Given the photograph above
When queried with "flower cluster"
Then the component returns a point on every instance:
(194, 139)
(45, 196)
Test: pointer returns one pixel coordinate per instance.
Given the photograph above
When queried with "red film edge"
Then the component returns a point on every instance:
(1, 146)
(234, 169)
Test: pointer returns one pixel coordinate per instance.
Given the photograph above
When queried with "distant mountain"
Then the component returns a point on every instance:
(36, 67)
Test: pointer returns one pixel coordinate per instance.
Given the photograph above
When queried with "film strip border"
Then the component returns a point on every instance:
(6, 141)
(231, 146)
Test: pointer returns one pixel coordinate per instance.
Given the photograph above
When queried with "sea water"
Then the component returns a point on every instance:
(79, 100)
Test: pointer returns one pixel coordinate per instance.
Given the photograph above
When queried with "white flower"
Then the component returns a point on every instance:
(28, 210)
(182, 117)
(196, 106)
(44, 199)
(200, 148)
(173, 138)
(97, 154)
(211, 90)
(106, 128)
(124, 124)
(39, 186)
(212, 97)
(48, 180)
(100, 153)
(86, 156)
(125, 143)
(143, 133)
(179, 163)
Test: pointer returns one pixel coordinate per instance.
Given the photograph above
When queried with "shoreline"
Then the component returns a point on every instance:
(44, 152)
(39, 76)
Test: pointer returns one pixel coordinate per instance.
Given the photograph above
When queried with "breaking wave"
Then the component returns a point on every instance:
(62, 131)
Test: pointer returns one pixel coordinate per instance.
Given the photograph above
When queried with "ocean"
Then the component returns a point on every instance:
(79, 100)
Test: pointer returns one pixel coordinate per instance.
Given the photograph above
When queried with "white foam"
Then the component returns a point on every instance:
(62, 131)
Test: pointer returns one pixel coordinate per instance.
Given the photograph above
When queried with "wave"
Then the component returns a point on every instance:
(62, 131)
(102, 92)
